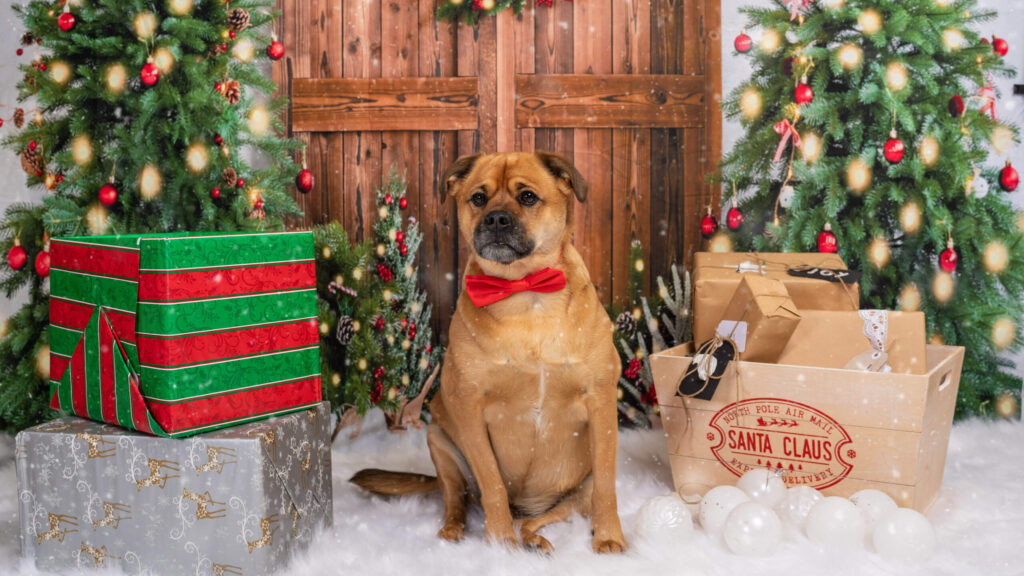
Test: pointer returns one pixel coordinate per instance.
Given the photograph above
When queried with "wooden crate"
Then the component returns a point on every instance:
(839, 431)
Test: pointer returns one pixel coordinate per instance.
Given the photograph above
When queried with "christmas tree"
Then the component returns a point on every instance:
(376, 348)
(141, 117)
(868, 127)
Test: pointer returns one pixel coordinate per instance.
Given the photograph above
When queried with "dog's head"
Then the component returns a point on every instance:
(514, 206)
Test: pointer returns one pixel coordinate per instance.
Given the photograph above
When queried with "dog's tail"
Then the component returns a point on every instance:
(393, 483)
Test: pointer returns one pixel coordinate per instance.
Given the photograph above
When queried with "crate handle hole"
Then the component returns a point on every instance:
(944, 382)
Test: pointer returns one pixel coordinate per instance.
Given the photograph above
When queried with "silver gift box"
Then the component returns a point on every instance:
(237, 502)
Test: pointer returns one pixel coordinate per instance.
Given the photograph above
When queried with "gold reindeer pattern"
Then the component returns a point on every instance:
(156, 478)
(99, 555)
(112, 515)
(203, 502)
(305, 465)
(226, 570)
(56, 532)
(269, 438)
(214, 461)
(268, 528)
(295, 518)
(98, 447)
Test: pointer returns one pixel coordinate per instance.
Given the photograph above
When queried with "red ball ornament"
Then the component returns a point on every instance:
(1000, 46)
(17, 257)
(1008, 178)
(224, 47)
(956, 106)
(43, 263)
(304, 181)
(232, 34)
(403, 203)
(108, 194)
(215, 193)
(827, 241)
(743, 43)
(66, 21)
(804, 94)
(20, 51)
(893, 148)
(399, 237)
(276, 50)
(150, 73)
(948, 258)
(708, 225)
(734, 219)
(60, 177)
(240, 183)
(403, 249)
(32, 145)
(217, 86)
(388, 199)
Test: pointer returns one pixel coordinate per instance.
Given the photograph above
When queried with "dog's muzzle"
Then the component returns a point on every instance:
(501, 238)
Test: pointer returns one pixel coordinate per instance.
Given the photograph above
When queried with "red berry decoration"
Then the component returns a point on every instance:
(150, 73)
(304, 180)
(232, 34)
(217, 86)
(108, 194)
(948, 258)
(385, 273)
(827, 242)
(734, 218)
(66, 21)
(17, 257)
(893, 148)
(403, 249)
(215, 193)
(1008, 178)
(218, 139)
(708, 225)
(1000, 46)
(32, 145)
(632, 370)
(403, 203)
(379, 324)
(400, 237)
(276, 50)
(804, 94)
(43, 263)
(20, 51)
(956, 106)
(240, 183)
(223, 47)
(388, 199)
(743, 43)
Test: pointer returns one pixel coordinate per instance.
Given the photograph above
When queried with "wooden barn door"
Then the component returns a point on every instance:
(627, 89)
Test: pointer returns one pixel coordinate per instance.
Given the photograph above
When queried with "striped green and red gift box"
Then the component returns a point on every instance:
(176, 334)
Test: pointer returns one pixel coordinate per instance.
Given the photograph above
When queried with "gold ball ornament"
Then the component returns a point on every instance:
(928, 151)
(1004, 331)
(383, 212)
(910, 217)
(381, 250)
(259, 121)
(392, 234)
(1001, 139)
(406, 344)
(1006, 405)
(357, 274)
(770, 41)
(812, 147)
(391, 339)
(356, 325)
(97, 219)
(943, 287)
(879, 252)
(387, 295)
(324, 328)
(997, 257)
(196, 157)
(43, 362)
(150, 182)
(326, 252)
(163, 59)
(870, 21)
(858, 176)
(423, 363)
(750, 104)
(145, 25)
(81, 150)
(60, 72)
(406, 380)
(910, 298)
(896, 76)
(849, 56)
(117, 78)
(180, 7)
(638, 265)
(362, 364)
(953, 39)
(487, 4)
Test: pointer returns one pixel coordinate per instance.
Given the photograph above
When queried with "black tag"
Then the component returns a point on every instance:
(828, 274)
(692, 383)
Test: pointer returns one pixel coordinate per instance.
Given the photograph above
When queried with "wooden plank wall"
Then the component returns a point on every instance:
(646, 183)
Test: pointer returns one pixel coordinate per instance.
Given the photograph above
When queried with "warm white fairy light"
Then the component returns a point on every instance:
(910, 298)
(259, 121)
(928, 150)
(720, 242)
(196, 157)
(849, 56)
(117, 78)
(81, 150)
(870, 21)
(858, 176)
(896, 76)
(879, 252)
(1004, 331)
(953, 39)
(150, 182)
(812, 147)
(770, 41)
(145, 25)
(43, 362)
(97, 219)
(750, 104)
(943, 287)
(996, 257)
(1001, 139)
(163, 59)
(910, 217)
(243, 50)
(60, 72)
(180, 7)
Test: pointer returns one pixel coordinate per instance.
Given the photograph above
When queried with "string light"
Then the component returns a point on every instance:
(117, 78)
(1006, 405)
(1002, 139)
(812, 147)
(858, 176)
(60, 72)
(81, 150)
(259, 121)
(145, 25)
(180, 7)
(150, 182)
(997, 257)
(770, 41)
(910, 217)
(196, 157)
(163, 60)
(97, 219)
(953, 39)
(910, 298)
(720, 242)
(750, 104)
(638, 265)
(243, 50)
(1004, 331)
(43, 362)
(928, 150)
(943, 287)
(870, 21)
(849, 56)
(879, 252)
(896, 76)
(335, 379)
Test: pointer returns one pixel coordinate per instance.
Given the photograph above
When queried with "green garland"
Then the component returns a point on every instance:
(470, 11)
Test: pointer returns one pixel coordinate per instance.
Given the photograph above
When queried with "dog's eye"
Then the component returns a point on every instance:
(478, 199)
(528, 198)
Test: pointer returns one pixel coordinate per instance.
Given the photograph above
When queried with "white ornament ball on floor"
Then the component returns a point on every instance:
(763, 485)
(664, 517)
(796, 505)
(786, 196)
(836, 523)
(874, 505)
(752, 529)
(717, 504)
(904, 534)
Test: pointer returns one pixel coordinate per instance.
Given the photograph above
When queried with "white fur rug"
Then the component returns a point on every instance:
(979, 520)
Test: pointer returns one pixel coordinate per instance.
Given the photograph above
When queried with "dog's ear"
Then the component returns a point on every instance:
(566, 174)
(456, 172)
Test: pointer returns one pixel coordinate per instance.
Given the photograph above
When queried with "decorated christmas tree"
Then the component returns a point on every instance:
(134, 117)
(374, 321)
(870, 127)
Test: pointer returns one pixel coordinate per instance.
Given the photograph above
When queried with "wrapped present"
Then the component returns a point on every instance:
(814, 281)
(238, 501)
(760, 319)
(176, 334)
(871, 340)
(836, 430)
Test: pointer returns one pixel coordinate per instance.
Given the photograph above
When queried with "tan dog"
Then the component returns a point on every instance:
(526, 412)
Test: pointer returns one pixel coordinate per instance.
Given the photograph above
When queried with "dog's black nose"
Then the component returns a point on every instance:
(499, 221)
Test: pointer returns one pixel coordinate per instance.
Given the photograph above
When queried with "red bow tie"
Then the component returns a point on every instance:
(483, 289)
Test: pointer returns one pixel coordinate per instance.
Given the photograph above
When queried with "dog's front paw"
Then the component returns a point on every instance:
(609, 545)
(537, 543)
(503, 535)
(451, 531)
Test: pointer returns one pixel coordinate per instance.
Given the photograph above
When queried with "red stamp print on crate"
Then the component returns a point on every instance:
(810, 447)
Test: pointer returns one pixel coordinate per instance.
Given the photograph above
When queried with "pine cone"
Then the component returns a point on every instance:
(19, 117)
(30, 81)
(27, 39)
(229, 178)
(217, 49)
(625, 324)
(345, 330)
(232, 91)
(238, 20)
(32, 162)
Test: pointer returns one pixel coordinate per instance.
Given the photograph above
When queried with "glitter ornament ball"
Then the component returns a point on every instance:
(17, 257)
(948, 258)
(803, 94)
(957, 106)
(149, 74)
(762, 485)
(743, 43)
(717, 504)
(664, 519)
(752, 529)
(1008, 178)
(893, 148)
(304, 181)
(827, 242)
(108, 194)
(708, 225)
(796, 504)
(734, 219)
(275, 51)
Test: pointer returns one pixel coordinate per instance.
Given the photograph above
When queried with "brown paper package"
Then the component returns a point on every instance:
(715, 279)
(829, 339)
(764, 305)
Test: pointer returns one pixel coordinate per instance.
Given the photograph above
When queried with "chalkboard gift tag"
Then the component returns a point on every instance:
(701, 378)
